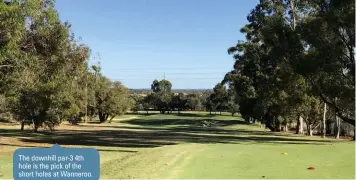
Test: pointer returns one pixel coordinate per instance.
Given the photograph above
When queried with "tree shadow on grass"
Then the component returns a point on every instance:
(24, 133)
(94, 122)
(98, 149)
(136, 138)
(143, 113)
(192, 114)
(151, 133)
(165, 122)
(187, 129)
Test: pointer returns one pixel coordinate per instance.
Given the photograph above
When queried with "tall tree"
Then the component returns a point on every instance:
(218, 99)
(162, 94)
(284, 60)
(111, 98)
(329, 33)
(42, 62)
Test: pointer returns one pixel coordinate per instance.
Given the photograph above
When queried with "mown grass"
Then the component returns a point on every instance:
(184, 146)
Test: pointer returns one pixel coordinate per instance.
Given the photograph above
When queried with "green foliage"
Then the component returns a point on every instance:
(110, 98)
(193, 102)
(72, 113)
(163, 100)
(296, 52)
(43, 69)
(233, 108)
(161, 96)
(179, 102)
(137, 103)
(163, 86)
(41, 62)
(221, 100)
(329, 63)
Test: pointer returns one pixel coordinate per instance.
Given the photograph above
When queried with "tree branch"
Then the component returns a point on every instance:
(1, 66)
(337, 109)
(315, 127)
(350, 81)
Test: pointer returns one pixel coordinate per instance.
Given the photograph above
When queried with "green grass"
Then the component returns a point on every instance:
(179, 146)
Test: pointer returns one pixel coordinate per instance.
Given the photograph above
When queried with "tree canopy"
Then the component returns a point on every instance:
(296, 55)
(44, 70)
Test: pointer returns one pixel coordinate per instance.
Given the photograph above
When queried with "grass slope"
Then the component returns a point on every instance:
(182, 146)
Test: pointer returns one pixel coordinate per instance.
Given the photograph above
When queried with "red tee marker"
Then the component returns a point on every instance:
(311, 168)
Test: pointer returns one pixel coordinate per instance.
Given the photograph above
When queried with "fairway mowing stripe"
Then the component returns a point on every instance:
(176, 170)
(173, 160)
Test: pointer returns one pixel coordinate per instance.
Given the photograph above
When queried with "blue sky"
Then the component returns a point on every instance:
(142, 40)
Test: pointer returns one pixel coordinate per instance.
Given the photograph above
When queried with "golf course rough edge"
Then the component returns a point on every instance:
(56, 163)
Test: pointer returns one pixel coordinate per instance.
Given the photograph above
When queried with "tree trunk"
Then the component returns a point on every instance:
(101, 117)
(337, 129)
(22, 125)
(220, 113)
(35, 126)
(268, 122)
(286, 128)
(297, 128)
(112, 117)
(300, 129)
(292, 7)
(279, 125)
(323, 125)
(309, 127)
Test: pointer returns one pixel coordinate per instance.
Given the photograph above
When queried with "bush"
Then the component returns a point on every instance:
(6, 117)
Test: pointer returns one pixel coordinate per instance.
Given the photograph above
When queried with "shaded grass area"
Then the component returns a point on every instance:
(180, 146)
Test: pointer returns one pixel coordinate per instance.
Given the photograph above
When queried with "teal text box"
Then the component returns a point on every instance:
(56, 163)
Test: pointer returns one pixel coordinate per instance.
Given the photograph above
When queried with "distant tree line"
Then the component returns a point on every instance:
(161, 98)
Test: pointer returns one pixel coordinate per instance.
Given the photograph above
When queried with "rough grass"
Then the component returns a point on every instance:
(191, 145)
